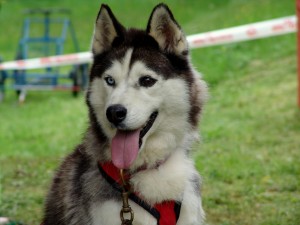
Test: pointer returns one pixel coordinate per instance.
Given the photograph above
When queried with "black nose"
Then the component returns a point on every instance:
(116, 114)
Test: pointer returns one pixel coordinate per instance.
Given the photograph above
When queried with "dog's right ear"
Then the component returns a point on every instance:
(107, 28)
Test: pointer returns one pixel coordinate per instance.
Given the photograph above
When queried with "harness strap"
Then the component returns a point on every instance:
(166, 213)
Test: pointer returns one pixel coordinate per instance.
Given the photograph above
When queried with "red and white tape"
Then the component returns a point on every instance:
(246, 32)
(230, 35)
(59, 60)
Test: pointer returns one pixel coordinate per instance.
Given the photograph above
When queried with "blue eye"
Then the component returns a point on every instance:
(110, 81)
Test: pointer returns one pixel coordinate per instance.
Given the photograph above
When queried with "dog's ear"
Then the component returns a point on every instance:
(107, 29)
(165, 30)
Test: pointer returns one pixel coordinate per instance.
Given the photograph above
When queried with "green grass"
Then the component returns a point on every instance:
(34, 137)
(249, 156)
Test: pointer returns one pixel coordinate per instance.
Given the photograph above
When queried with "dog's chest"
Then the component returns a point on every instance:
(108, 213)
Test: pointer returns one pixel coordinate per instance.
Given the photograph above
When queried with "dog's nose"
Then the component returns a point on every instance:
(116, 114)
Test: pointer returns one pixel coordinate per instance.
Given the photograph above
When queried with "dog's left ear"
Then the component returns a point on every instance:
(165, 30)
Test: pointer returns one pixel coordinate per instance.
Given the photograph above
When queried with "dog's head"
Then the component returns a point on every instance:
(144, 95)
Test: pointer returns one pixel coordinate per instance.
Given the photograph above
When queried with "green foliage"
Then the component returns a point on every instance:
(249, 155)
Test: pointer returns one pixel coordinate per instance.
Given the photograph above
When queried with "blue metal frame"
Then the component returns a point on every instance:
(3, 76)
(50, 78)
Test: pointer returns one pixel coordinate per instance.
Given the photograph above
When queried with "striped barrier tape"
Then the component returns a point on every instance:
(251, 31)
(59, 60)
(246, 32)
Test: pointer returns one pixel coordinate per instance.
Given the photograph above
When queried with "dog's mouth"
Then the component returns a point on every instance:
(147, 127)
(126, 143)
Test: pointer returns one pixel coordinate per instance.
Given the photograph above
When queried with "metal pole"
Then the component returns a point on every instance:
(298, 47)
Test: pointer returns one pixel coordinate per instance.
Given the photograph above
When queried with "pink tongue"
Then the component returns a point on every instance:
(125, 148)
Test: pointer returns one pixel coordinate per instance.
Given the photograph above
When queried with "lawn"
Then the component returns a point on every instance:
(249, 155)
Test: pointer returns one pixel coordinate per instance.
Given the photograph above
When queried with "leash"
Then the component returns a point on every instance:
(126, 209)
(166, 213)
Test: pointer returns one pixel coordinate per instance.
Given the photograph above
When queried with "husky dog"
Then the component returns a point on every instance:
(144, 100)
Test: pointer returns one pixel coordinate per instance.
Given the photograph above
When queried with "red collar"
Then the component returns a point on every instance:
(166, 213)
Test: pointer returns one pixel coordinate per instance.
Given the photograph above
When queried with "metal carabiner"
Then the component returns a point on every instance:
(126, 209)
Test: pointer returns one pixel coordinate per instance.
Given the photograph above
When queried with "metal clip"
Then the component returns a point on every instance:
(126, 209)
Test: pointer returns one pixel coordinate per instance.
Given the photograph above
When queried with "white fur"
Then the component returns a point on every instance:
(172, 180)
(170, 97)
(170, 135)
(167, 182)
(169, 139)
(107, 213)
(191, 212)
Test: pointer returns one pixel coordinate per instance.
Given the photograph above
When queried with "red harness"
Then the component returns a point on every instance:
(166, 213)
